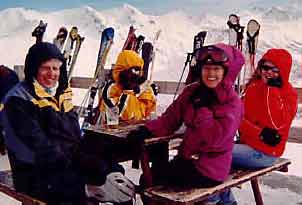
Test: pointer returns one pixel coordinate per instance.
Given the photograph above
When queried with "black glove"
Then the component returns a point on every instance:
(270, 136)
(136, 89)
(155, 89)
(136, 138)
(275, 82)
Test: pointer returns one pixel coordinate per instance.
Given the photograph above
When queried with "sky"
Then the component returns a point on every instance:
(147, 6)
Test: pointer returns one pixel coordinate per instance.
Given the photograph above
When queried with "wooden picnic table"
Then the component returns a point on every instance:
(111, 142)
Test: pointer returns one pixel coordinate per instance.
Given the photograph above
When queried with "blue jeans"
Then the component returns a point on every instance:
(244, 157)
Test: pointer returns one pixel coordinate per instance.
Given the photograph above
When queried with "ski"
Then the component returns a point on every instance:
(199, 40)
(253, 28)
(79, 41)
(139, 43)
(147, 51)
(60, 39)
(39, 31)
(99, 76)
(70, 44)
(130, 42)
(157, 34)
(235, 31)
(106, 42)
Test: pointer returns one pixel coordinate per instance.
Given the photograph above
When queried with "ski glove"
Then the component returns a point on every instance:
(274, 82)
(270, 136)
(136, 89)
(155, 89)
(136, 139)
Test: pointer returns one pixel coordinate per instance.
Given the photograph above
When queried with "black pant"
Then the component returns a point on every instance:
(182, 172)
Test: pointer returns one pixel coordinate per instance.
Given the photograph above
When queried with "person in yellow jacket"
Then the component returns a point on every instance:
(129, 91)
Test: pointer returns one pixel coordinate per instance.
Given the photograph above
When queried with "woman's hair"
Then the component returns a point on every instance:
(257, 73)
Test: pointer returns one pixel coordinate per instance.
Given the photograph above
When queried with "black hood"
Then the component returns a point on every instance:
(38, 54)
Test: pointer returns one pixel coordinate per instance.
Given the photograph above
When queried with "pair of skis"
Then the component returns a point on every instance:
(72, 47)
(39, 31)
(235, 31)
(147, 50)
(235, 39)
(90, 117)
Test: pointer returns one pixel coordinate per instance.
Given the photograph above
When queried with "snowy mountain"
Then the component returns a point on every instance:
(280, 27)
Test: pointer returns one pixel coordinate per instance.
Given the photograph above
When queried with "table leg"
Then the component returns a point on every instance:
(147, 173)
(256, 190)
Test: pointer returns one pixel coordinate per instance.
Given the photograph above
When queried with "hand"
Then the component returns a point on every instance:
(204, 97)
(270, 136)
(155, 89)
(139, 134)
(136, 89)
(136, 138)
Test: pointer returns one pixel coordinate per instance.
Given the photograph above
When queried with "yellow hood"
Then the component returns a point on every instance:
(125, 60)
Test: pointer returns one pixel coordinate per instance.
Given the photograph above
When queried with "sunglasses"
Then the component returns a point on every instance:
(135, 70)
(267, 68)
(211, 55)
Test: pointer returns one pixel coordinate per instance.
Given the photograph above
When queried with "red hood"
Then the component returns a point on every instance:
(282, 59)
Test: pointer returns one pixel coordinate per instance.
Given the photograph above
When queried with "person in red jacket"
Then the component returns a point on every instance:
(270, 104)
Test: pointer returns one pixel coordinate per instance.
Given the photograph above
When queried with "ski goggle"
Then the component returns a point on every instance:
(267, 68)
(211, 55)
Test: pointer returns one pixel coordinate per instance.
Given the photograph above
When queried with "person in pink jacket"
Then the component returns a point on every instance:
(211, 112)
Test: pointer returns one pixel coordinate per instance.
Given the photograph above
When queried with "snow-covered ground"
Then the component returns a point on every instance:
(271, 196)
(280, 27)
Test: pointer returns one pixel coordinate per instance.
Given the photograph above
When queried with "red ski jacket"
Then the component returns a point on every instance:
(271, 107)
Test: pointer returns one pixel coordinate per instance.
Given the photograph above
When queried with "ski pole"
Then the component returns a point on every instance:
(188, 60)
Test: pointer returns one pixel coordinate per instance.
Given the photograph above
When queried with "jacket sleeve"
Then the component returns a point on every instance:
(23, 119)
(147, 101)
(170, 120)
(246, 126)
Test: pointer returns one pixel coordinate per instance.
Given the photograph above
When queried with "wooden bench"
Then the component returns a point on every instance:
(7, 187)
(168, 195)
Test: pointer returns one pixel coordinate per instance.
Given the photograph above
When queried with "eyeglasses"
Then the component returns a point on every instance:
(267, 68)
(211, 55)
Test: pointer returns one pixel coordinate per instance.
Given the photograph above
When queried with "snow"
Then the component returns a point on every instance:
(280, 27)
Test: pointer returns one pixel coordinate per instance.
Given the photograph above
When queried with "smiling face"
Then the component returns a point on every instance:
(49, 73)
(212, 75)
(269, 71)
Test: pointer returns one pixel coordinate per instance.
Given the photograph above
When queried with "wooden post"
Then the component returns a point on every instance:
(256, 191)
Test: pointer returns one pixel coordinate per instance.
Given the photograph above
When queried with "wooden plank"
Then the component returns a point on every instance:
(165, 87)
(295, 134)
(299, 91)
(184, 195)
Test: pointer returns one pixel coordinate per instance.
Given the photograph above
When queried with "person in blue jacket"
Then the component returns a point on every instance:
(43, 136)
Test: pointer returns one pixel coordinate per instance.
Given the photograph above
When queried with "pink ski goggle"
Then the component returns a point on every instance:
(211, 55)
